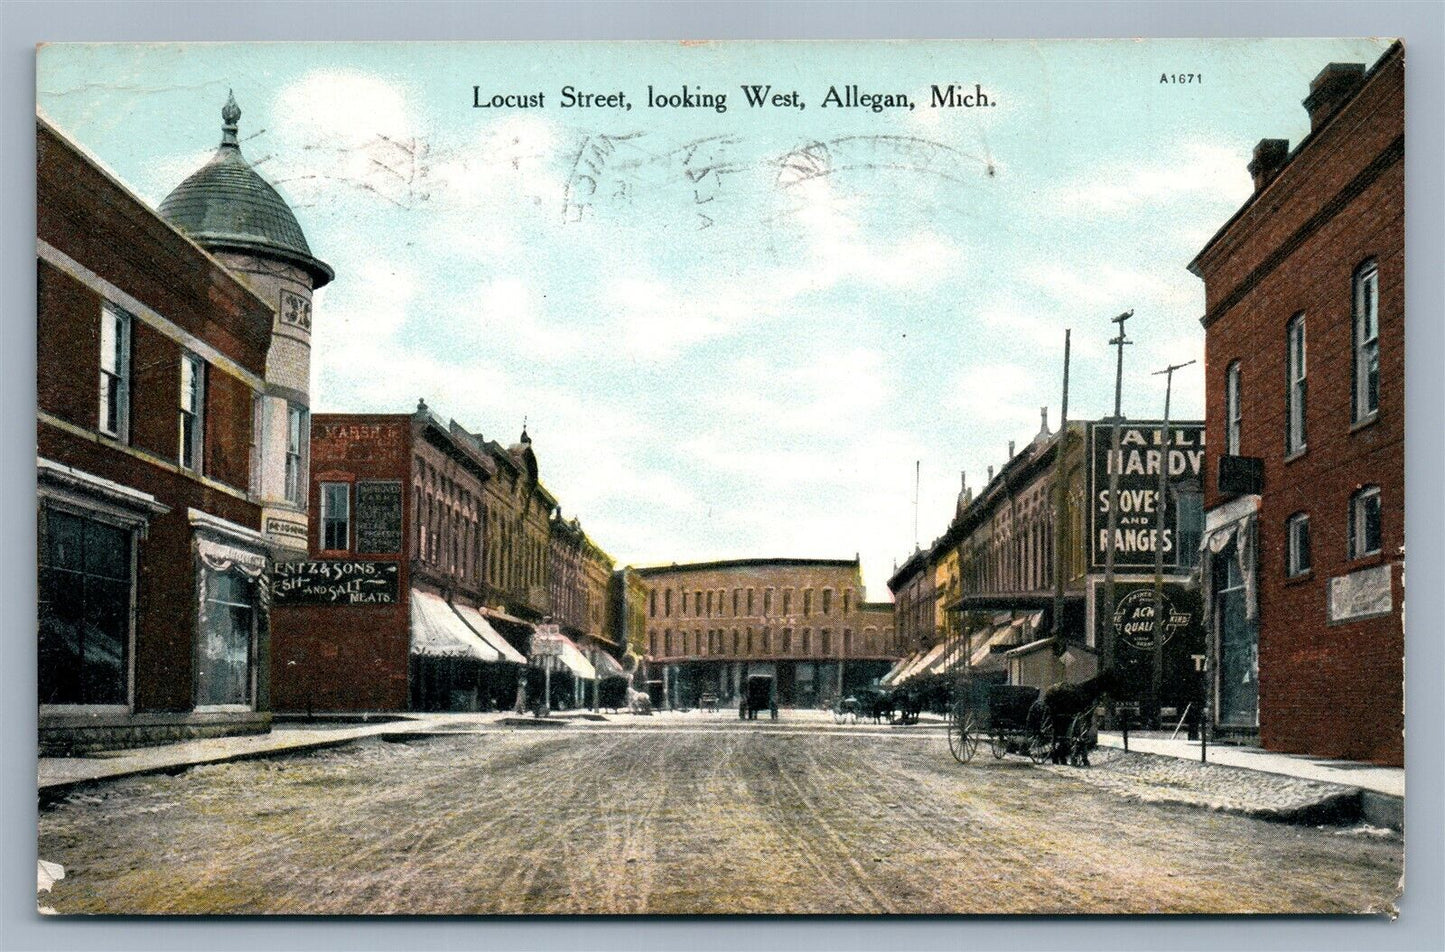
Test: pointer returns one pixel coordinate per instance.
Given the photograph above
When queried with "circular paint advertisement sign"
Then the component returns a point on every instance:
(1135, 619)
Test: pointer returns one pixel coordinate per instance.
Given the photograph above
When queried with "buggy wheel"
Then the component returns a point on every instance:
(962, 739)
(998, 744)
(1041, 739)
(1078, 741)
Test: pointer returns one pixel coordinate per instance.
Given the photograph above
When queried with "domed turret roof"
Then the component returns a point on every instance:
(226, 206)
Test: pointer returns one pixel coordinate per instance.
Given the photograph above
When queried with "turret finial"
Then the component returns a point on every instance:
(230, 116)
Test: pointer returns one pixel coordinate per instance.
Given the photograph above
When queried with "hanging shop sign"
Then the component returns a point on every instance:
(335, 583)
(1137, 497)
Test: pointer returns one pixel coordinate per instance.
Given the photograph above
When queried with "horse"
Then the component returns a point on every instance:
(1063, 702)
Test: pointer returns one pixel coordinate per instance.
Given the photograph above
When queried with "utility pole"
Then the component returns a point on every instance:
(1119, 342)
(1156, 680)
(917, 474)
(1060, 517)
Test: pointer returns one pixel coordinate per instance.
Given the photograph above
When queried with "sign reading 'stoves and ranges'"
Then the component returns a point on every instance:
(1137, 463)
(335, 583)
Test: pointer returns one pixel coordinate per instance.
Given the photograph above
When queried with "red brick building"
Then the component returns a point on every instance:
(1304, 353)
(151, 357)
(387, 615)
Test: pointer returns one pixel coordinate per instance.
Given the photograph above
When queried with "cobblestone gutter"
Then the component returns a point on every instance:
(1149, 778)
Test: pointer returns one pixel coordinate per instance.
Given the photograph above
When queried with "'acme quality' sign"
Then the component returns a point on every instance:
(1138, 461)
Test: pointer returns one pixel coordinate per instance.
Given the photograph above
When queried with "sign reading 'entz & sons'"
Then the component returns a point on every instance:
(378, 516)
(1137, 463)
(335, 583)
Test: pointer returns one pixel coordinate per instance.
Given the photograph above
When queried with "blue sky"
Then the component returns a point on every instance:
(731, 334)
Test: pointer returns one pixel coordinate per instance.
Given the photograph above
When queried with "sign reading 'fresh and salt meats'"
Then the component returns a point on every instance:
(1141, 446)
(335, 583)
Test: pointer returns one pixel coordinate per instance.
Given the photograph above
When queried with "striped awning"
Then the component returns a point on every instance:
(439, 632)
(489, 635)
(923, 664)
(547, 645)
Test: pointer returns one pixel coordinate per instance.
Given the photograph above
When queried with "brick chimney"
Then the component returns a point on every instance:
(1336, 83)
(1269, 158)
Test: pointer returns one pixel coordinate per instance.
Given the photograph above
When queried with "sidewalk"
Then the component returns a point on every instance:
(57, 773)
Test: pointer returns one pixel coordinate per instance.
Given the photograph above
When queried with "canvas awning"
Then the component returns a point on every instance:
(923, 664)
(489, 635)
(896, 670)
(555, 645)
(439, 632)
(607, 666)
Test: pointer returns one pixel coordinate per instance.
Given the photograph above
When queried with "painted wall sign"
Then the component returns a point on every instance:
(1133, 628)
(1361, 594)
(335, 583)
(378, 516)
(1138, 462)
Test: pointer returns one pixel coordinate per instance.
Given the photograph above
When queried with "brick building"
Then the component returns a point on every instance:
(387, 615)
(803, 622)
(1304, 355)
(151, 360)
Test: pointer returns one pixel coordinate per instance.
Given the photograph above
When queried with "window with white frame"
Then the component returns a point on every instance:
(1365, 522)
(297, 433)
(192, 412)
(1295, 395)
(114, 372)
(1297, 544)
(258, 428)
(336, 516)
(1232, 416)
(1367, 341)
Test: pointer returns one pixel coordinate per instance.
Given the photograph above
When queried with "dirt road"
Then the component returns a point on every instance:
(678, 821)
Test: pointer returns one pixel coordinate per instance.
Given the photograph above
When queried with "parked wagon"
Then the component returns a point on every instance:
(1008, 717)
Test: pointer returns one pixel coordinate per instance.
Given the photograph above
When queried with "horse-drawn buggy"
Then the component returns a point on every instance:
(1056, 724)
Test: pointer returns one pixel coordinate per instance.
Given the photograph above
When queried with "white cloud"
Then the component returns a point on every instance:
(1189, 170)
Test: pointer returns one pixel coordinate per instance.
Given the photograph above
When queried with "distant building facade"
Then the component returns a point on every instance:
(153, 624)
(996, 569)
(803, 622)
(1305, 390)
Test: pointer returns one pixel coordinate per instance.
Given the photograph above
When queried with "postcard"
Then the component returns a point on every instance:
(839, 478)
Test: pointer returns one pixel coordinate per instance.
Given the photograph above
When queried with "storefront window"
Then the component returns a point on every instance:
(227, 636)
(85, 598)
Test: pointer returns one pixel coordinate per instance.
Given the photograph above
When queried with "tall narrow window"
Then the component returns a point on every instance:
(652, 604)
(336, 517)
(192, 413)
(1231, 410)
(1295, 396)
(807, 602)
(114, 372)
(1365, 522)
(1188, 525)
(767, 602)
(847, 600)
(827, 601)
(1297, 535)
(258, 423)
(297, 432)
(1367, 341)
